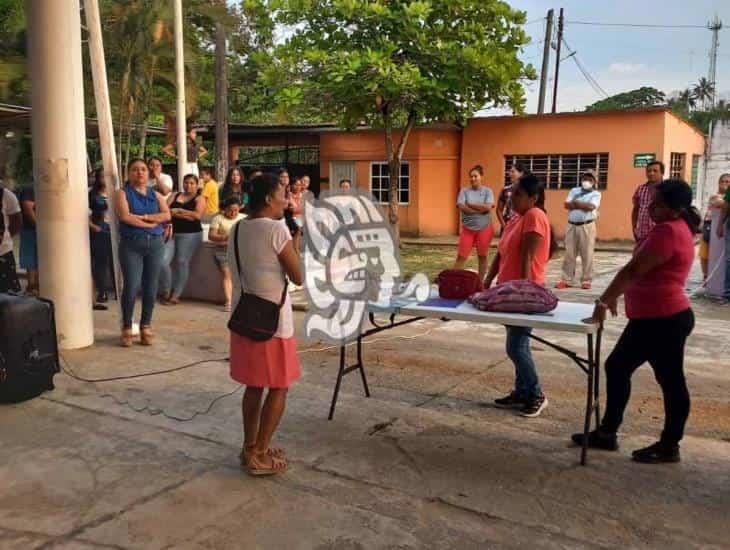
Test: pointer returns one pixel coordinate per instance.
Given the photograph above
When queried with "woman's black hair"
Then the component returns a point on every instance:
(98, 180)
(158, 159)
(521, 168)
(191, 176)
(534, 188)
(262, 186)
(677, 195)
(135, 161)
(231, 201)
(229, 176)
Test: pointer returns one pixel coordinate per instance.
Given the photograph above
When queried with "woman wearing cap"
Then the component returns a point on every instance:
(580, 238)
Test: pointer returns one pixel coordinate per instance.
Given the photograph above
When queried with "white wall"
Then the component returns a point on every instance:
(717, 159)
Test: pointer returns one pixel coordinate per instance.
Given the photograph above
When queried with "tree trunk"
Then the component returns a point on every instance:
(395, 157)
(122, 107)
(221, 104)
(143, 138)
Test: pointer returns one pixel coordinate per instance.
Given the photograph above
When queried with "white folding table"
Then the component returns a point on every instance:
(567, 317)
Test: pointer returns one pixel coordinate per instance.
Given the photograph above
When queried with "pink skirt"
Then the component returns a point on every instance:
(270, 364)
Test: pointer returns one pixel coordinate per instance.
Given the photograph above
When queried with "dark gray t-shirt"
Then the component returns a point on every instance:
(483, 195)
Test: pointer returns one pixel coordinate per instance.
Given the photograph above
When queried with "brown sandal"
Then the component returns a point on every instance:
(145, 336)
(247, 452)
(126, 339)
(256, 466)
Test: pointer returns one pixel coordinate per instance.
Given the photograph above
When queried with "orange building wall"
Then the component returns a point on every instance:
(433, 156)
(439, 158)
(680, 137)
(487, 140)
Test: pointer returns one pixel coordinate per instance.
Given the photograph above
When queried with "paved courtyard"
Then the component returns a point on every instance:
(426, 462)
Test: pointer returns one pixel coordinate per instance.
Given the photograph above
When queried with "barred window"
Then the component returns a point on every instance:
(380, 182)
(561, 171)
(676, 165)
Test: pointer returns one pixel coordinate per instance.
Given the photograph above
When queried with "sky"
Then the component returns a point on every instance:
(622, 59)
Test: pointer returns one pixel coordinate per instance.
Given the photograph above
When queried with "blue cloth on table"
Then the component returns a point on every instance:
(441, 302)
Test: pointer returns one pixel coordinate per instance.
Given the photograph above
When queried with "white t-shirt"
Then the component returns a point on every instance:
(260, 241)
(224, 225)
(10, 207)
(167, 180)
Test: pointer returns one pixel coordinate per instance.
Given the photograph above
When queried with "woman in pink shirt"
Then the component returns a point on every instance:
(526, 245)
(660, 320)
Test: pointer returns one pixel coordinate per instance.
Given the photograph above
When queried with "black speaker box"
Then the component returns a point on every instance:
(28, 347)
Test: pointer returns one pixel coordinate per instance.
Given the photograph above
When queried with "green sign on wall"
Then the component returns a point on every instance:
(642, 159)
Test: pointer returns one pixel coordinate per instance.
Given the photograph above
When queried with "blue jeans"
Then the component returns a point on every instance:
(726, 293)
(141, 259)
(185, 246)
(527, 384)
(165, 273)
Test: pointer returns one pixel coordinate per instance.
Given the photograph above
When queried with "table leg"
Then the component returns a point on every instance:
(362, 367)
(340, 374)
(597, 378)
(589, 400)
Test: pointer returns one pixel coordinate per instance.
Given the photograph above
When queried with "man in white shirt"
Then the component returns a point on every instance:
(10, 225)
(580, 238)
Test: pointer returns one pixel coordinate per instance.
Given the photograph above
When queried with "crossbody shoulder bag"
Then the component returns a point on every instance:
(254, 317)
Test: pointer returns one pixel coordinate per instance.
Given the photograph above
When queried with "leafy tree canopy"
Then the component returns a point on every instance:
(635, 99)
(358, 59)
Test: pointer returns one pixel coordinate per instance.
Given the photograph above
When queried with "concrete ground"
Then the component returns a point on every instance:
(427, 462)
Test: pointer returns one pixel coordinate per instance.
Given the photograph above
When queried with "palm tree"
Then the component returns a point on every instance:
(704, 91)
(687, 97)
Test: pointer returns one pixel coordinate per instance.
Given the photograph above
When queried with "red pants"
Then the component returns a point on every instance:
(468, 239)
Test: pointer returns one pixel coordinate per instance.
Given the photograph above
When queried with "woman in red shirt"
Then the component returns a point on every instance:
(660, 320)
(526, 245)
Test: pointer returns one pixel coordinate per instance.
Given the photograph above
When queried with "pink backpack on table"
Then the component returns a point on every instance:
(519, 296)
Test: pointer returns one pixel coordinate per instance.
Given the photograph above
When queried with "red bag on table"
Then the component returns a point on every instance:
(458, 284)
(519, 296)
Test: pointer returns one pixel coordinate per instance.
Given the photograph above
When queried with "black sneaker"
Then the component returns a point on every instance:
(511, 401)
(658, 453)
(102, 297)
(100, 307)
(597, 440)
(534, 406)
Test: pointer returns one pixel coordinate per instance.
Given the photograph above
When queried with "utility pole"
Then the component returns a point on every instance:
(59, 166)
(221, 104)
(545, 61)
(715, 26)
(182, 141)
(106, 127)
(557, 61)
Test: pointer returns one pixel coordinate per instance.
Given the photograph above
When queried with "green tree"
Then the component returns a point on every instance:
(13, 73)
(704, 91)
(641, 98)
(396, 63)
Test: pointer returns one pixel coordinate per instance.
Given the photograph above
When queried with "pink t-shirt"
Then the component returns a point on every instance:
(660, 292)
(510, 246)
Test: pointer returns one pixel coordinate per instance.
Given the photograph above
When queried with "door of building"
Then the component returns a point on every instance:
(342, 170)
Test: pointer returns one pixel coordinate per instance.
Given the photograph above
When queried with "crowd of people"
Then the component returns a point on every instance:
(653, 285)
(161, 229)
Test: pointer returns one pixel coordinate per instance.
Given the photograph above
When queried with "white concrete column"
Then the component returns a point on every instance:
(182, 138)
(59, 166)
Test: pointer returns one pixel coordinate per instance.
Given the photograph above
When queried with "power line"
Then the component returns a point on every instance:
(636, 25)
(592, 81)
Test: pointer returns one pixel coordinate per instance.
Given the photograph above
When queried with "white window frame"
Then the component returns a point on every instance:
(400, 179)
(601, 168)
